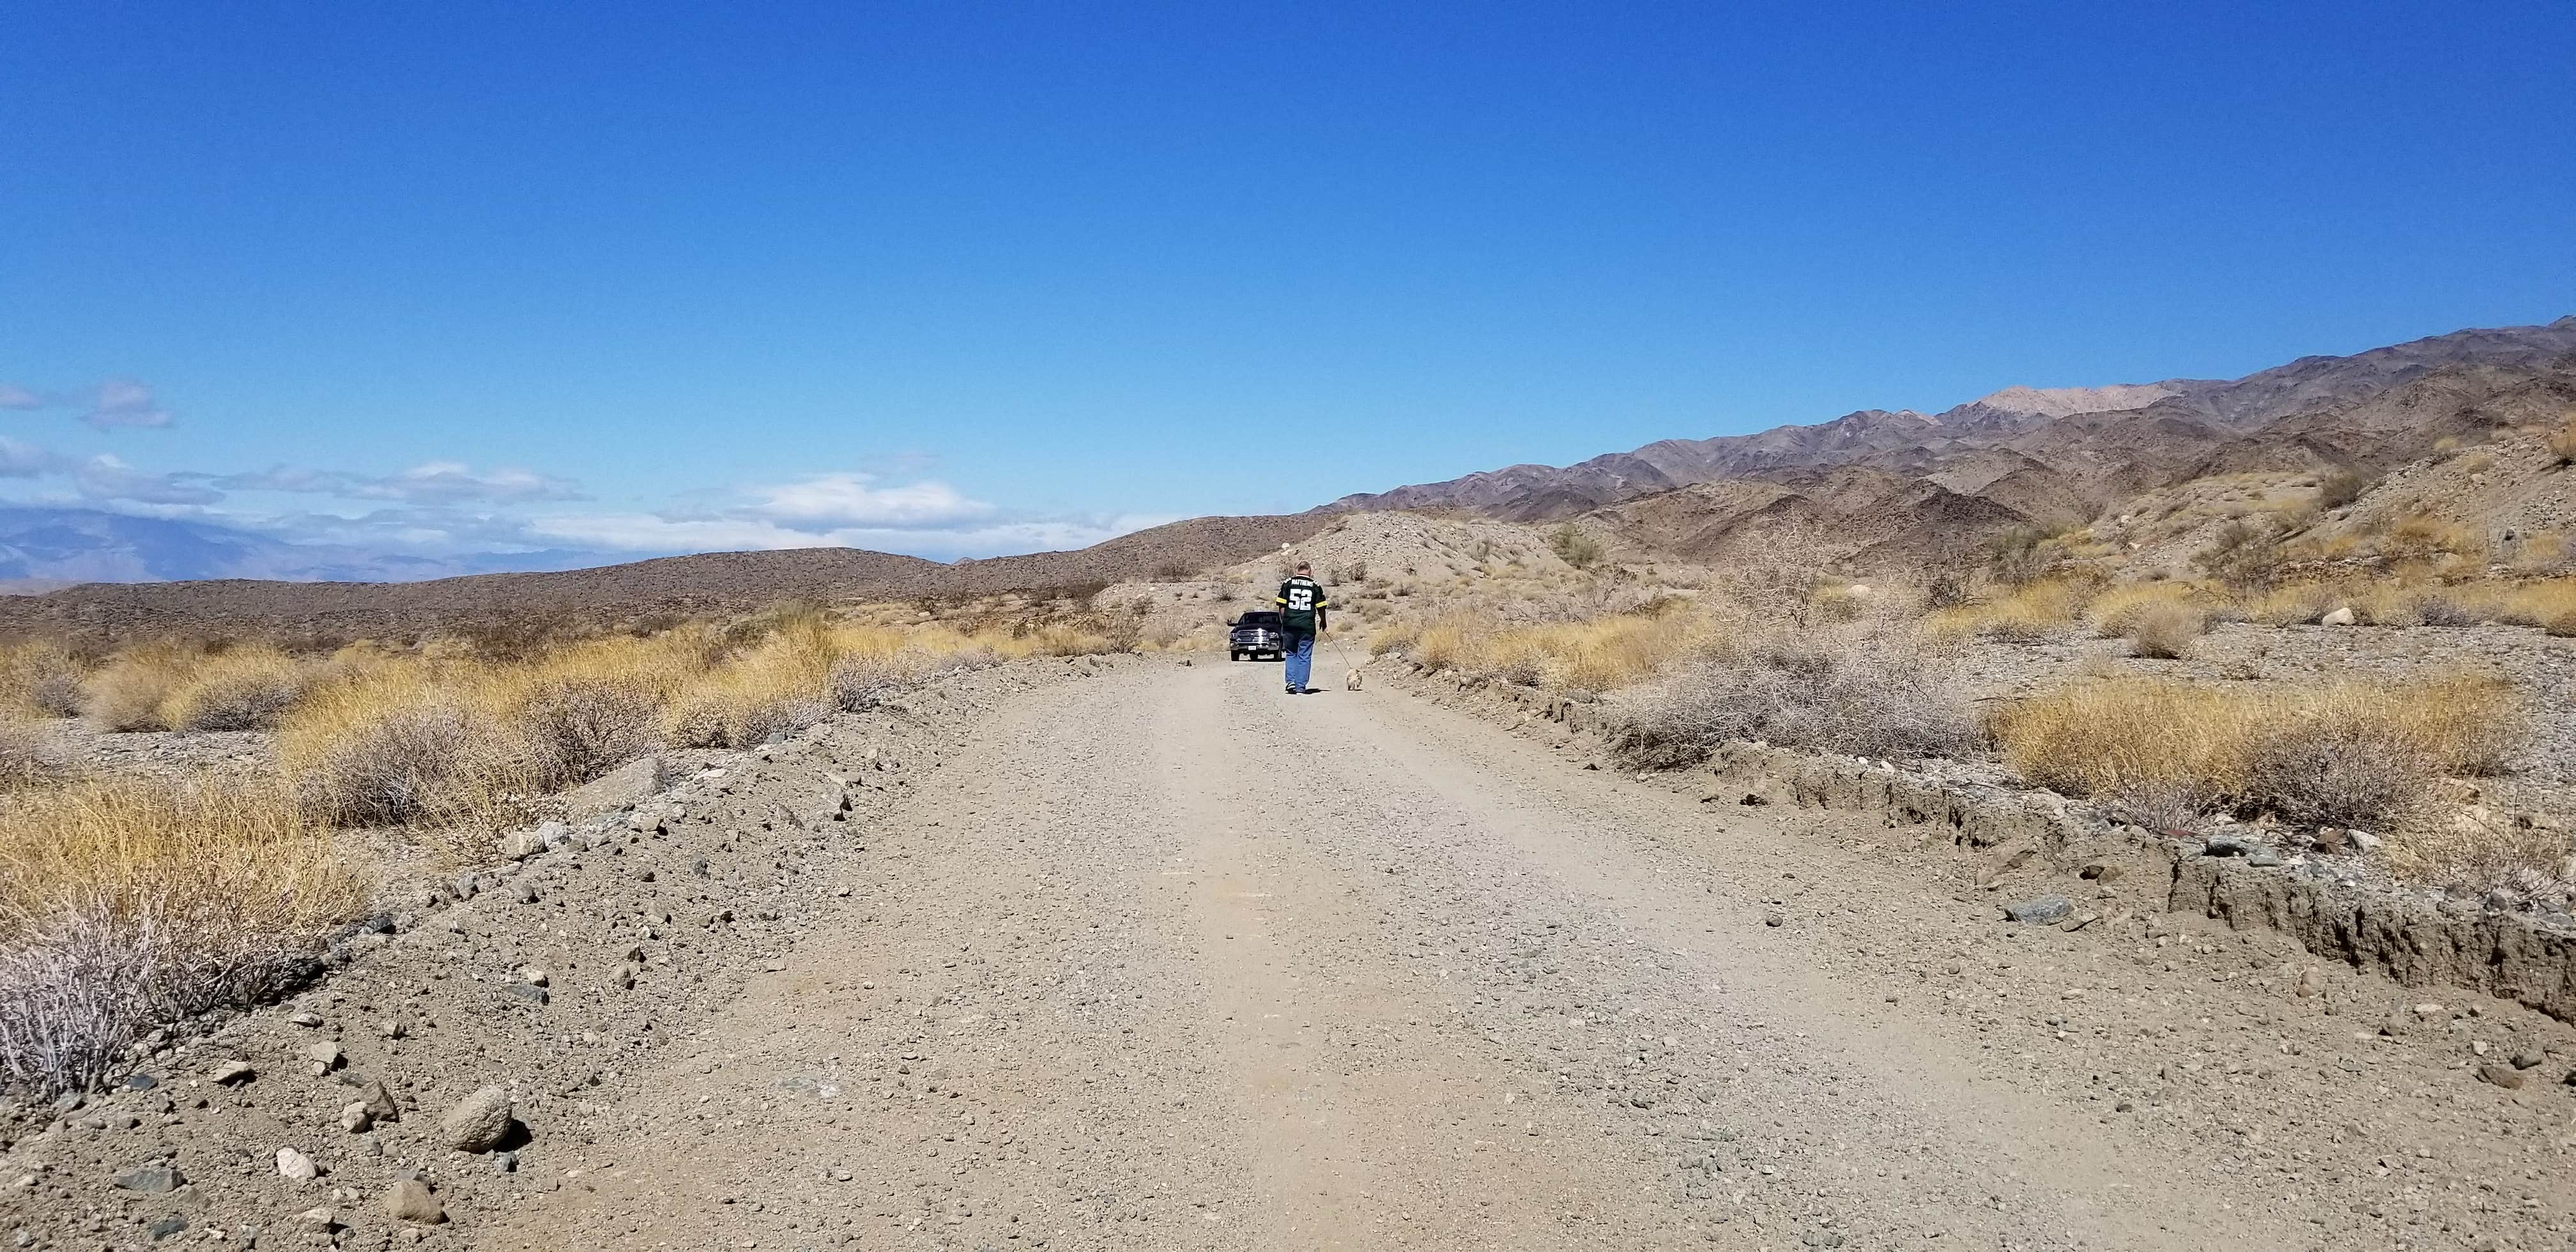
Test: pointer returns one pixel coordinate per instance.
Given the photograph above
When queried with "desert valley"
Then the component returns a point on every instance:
(2137, 816)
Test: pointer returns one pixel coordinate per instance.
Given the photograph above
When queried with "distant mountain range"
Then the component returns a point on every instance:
(1889, 488)
(2024, 456)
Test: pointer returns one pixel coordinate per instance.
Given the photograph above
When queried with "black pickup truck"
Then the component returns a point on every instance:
(1257, 635)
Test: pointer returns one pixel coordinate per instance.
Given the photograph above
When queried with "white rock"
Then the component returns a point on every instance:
(297, 1166)
(2340, 617)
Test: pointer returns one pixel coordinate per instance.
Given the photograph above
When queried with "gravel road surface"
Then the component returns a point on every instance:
(1171, 960)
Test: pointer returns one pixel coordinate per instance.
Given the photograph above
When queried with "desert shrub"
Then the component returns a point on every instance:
(27, 755)
(1854, 694)
(2347, 752)
(132, 691)
(774, 690)
(2340, 488)
(2562, 626)
(2562, 444)
(2031, 612)
(2017, 556)
(577, 727)
(392, 747)
(127, 904)
(1440, 646)
(41, 679)
(862, 681)
(2116, 611)
(2298, 605)
(2165, 631)
(1574, 547)
(2244, 555)
(241, 688)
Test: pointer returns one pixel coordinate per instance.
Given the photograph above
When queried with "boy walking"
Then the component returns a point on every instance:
(1301, 618)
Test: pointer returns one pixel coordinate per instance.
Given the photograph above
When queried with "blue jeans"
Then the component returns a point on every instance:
(1297, 651)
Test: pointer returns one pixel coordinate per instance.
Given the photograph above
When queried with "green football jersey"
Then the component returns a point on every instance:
(1301, 603)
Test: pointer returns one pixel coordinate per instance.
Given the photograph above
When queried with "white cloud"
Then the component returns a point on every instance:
(850, 499)
(455, 481)
(24, 460)
(432, 482)
(645, 532)
(123, 403)
(15, 397)
(104, 477)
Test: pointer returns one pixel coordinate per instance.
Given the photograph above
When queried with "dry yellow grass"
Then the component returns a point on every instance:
(2030, 612)
(1599, 654)
(129, 903)
(132, 690)
(2348, 752)
(2116, 610)
(240, 688)
(226, 854)
(39, 679)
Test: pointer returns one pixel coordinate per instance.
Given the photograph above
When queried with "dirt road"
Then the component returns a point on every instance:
(1171, 960)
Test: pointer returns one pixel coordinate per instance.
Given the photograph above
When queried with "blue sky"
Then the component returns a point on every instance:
(959, 279)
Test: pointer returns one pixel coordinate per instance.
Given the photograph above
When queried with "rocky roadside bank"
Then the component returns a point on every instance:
(453, 1056)
(2053, 854)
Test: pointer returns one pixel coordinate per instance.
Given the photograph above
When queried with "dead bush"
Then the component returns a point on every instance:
(861, 682)
(1859, 695)
(127, 904)
(243, 688)
(40, 678)
(2165, 631)
(580, 726)
(2562, 444)
(132, 691)
(27, 754)
(2340, 488)
(393, 748)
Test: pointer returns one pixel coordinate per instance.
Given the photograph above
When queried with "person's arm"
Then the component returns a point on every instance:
(1320, 626)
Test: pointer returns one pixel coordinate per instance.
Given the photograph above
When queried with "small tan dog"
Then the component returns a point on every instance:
(1352, 682)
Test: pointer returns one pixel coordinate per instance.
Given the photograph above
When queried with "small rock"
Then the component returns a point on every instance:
(529, 992)
(2527, 1059)
(1774, 918)
(141, 1082)
(2039, 909)
(478, 1122)
(410, 1201)
(153, 1179)
(326, 1055)
(355, 1118)
(505, 1162)
(2230, 845)
(536, 977)
(2340, 617)
(2501, 1075)
(2263, 858)
(234, 1073)
(379, 1103)
(297, 1166)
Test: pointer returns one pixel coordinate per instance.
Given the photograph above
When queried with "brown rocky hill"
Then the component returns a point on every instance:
(710, 583)
(2026, 456)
